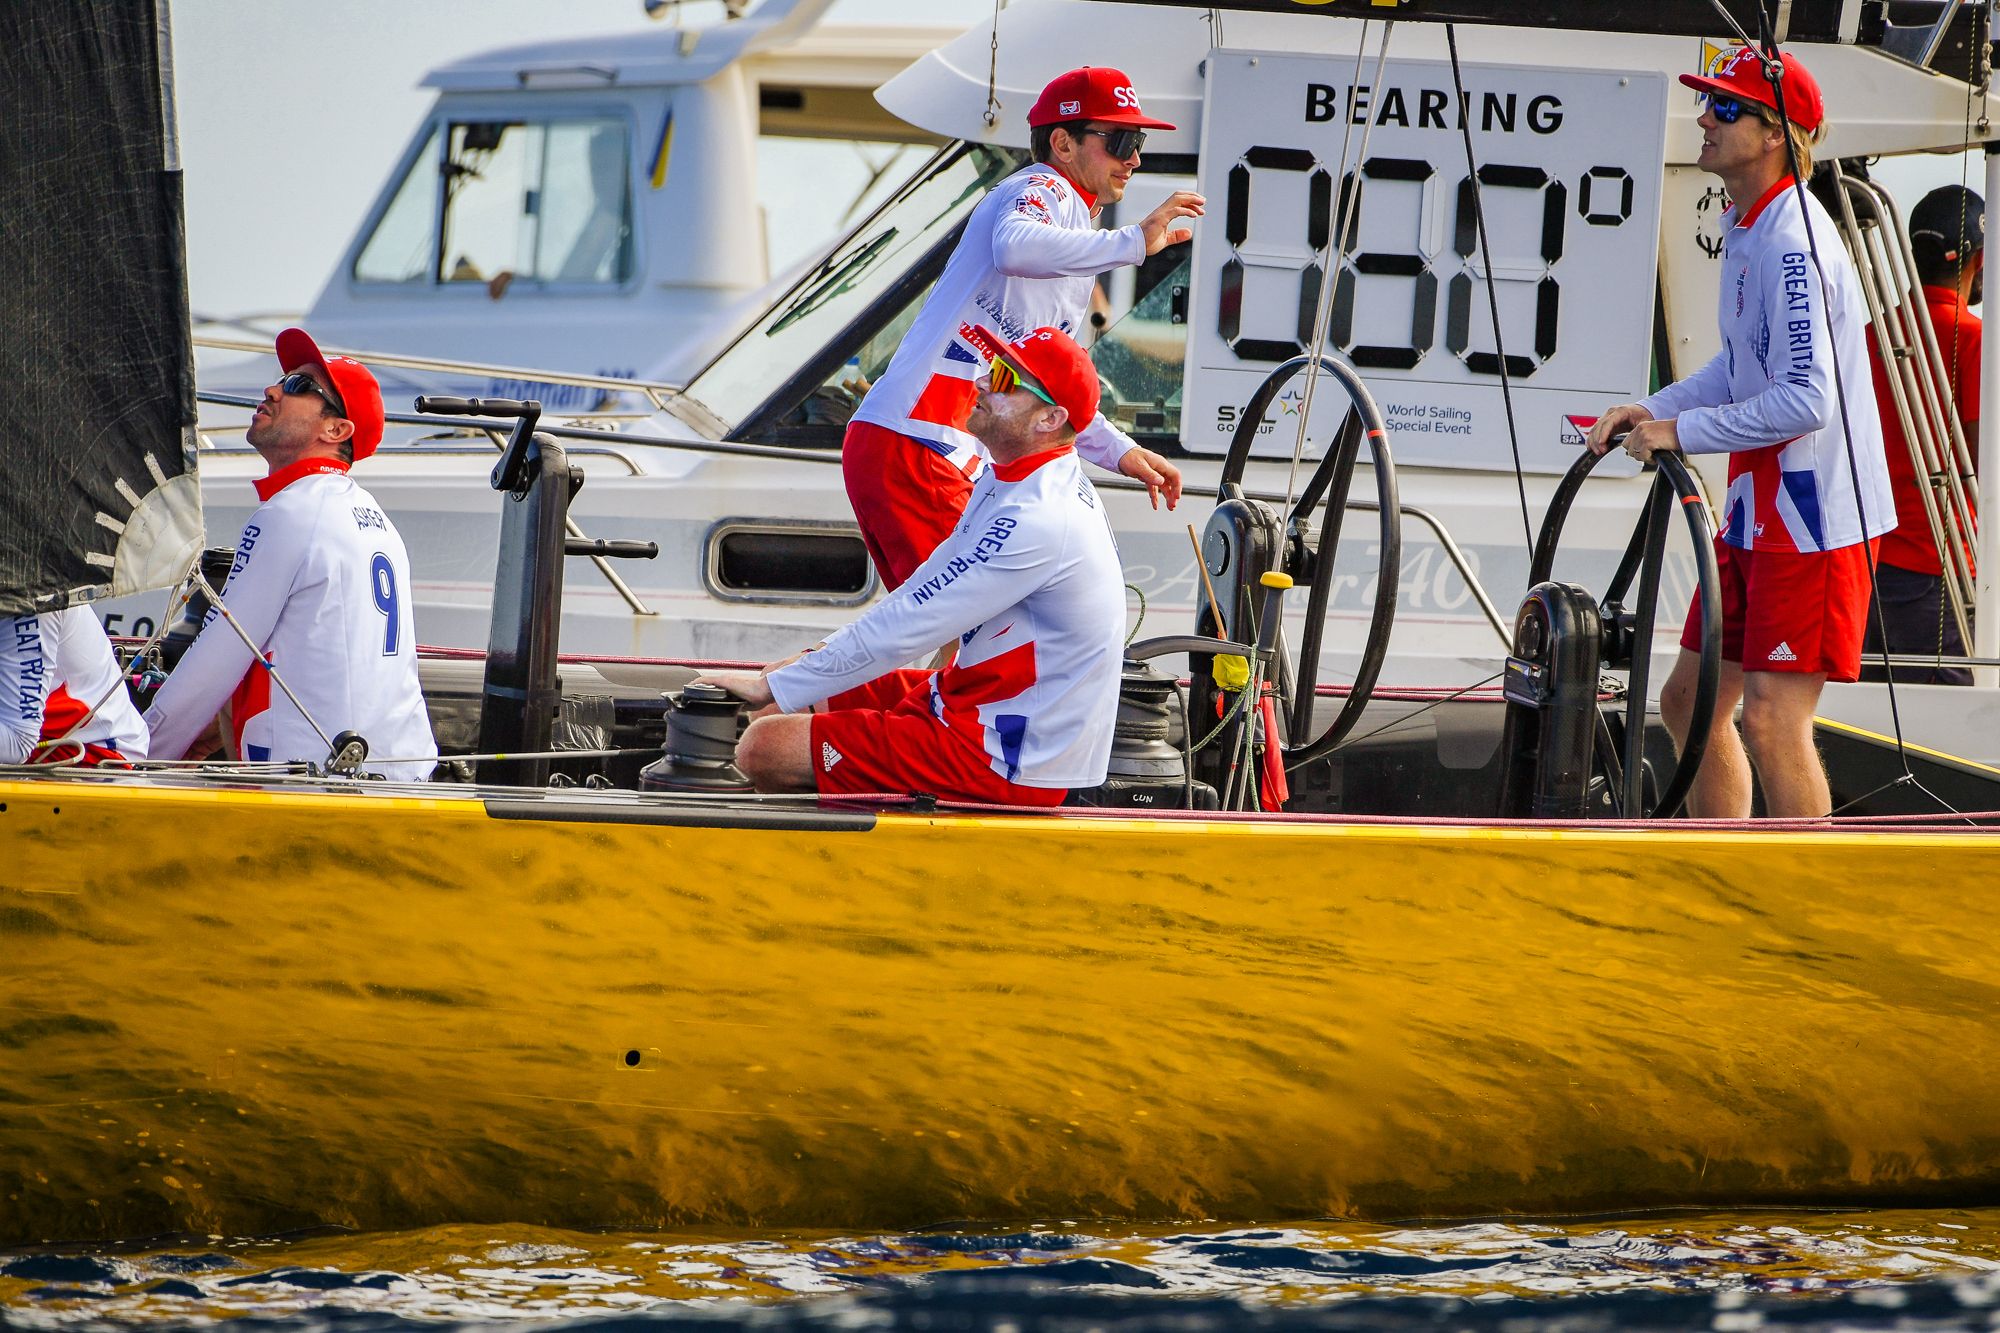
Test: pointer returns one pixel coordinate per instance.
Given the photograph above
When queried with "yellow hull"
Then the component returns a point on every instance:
(246, 1011)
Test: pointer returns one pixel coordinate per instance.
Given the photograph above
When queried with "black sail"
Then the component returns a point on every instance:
(96, 359)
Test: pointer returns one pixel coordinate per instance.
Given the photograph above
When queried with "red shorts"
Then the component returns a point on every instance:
(1802, 611)
(906, 495)
(882, 737)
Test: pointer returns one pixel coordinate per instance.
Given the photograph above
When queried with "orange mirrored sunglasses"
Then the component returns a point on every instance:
(1006, 379)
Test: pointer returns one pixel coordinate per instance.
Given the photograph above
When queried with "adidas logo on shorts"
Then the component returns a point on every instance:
(1783, 653)
(828, 757)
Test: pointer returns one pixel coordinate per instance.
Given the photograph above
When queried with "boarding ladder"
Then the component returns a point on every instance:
(1919, 379)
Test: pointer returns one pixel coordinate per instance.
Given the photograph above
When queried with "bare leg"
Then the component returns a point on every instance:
(1777, 727)
(1722, 785)
(775, 753)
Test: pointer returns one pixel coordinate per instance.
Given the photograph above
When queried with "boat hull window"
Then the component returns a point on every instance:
(501, 203)
(751, 560)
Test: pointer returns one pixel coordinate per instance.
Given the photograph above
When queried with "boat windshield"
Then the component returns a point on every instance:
(544, 201)
(767, 383)
(797, 375)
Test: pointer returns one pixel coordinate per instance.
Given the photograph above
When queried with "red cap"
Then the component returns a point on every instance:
(1095, 92)
(352, 381)
(1739, 72)
(1049, 358)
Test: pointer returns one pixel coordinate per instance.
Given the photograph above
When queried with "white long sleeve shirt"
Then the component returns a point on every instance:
(1030, 582)
(321, 584)
(23, 686)
(1027, 260)
(1767, 398)
(83, 666)
(56, 653)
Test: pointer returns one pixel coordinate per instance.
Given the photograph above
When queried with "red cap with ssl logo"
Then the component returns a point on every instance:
(1094, 92)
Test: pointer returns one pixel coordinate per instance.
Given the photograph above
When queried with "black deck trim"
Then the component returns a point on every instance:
(786, 819)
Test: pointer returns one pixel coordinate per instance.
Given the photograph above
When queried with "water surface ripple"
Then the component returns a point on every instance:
(1936, 1269)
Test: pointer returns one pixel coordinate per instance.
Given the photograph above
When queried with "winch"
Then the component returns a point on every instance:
(699, 752)
(1148, 770)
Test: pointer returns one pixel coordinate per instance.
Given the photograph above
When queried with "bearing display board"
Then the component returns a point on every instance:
(1570, 167)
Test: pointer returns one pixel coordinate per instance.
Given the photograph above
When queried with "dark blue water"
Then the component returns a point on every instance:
(1904, 1270)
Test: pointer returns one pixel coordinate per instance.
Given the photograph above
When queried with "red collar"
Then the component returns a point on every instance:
(1089, 199)
(1750, 215)
(285, 476)
(1022, 467)
(1946, 298)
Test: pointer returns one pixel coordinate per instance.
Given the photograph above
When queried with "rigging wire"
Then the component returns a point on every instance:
(1346, 215)
(257, 655)
(992, 113)
(1492, 292)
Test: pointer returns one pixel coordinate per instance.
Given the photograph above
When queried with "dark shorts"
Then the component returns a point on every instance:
(883, 737)
(1912, 604)
(907, 497)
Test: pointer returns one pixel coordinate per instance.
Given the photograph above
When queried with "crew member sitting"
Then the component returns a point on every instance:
(1029, 583)
(62, 697)
(321, 585)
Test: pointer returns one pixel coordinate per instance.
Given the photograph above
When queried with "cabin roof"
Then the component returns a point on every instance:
(1876, 103)
(841, 57)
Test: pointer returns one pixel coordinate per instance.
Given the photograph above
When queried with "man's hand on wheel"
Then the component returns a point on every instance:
(1615, 421)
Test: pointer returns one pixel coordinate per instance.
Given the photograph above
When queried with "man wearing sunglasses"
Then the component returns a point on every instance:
(1027, 581)
(1028, 258)
(1794, 550)
(321, 585)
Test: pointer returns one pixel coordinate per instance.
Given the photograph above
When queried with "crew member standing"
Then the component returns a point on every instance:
(321, 585)
(1028, 259)
(1948, 240)
(1795, 540)
(1028, 581)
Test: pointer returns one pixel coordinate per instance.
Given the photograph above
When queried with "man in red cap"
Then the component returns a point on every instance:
(1028, 582)
(1795, 540)
(1029, 258)
(321, 587)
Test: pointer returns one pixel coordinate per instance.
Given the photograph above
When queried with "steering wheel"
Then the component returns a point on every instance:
(1329, 482)
(1629, 633)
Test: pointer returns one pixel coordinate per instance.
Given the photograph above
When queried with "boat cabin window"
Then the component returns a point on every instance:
(545, 201)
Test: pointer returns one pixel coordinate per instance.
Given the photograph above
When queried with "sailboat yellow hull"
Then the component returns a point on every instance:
(245, 1011)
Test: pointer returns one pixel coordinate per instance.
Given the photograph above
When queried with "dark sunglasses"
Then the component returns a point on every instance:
(1006, 379)
(1729, 109)
(1121, 144)
(299, 382)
